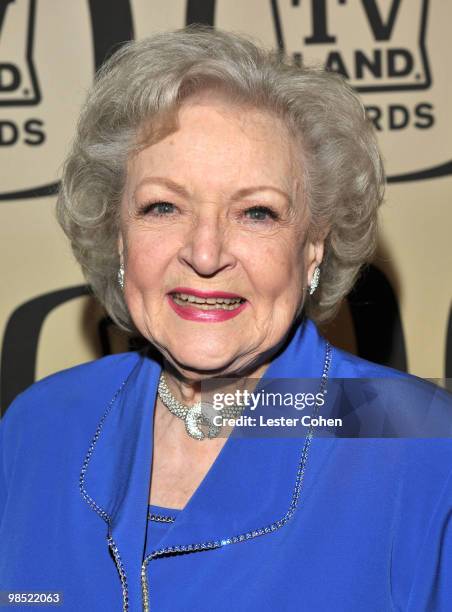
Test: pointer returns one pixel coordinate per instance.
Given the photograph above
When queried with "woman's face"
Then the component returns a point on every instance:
(214, 211)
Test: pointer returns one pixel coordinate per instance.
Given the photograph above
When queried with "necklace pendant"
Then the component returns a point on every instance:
(193, 421)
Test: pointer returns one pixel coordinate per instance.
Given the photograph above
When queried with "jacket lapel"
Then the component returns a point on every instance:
(117, 475)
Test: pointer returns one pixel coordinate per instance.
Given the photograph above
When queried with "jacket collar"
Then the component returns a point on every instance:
(249, 486)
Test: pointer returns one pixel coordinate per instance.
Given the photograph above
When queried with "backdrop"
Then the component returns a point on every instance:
(396, 53)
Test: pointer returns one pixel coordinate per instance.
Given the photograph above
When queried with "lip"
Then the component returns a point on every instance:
(205, 294)
(191, 313)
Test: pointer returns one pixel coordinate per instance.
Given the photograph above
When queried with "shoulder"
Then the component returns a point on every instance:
(52, 421)
(79, 388)
(347, 365)
(412, 407)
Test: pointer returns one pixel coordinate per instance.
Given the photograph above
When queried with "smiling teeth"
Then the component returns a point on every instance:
(207, 303)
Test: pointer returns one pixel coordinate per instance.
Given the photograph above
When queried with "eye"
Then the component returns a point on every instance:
(158, 209)
(261, 213)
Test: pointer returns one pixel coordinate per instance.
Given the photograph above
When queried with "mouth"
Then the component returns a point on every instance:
(207, 300)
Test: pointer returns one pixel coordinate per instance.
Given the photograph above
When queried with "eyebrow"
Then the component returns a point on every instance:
(157, 180)
(242, 193)
(180, 190)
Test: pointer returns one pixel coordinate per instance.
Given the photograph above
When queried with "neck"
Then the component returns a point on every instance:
(189, 391)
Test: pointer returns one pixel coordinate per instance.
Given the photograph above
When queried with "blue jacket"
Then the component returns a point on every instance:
(363, 524)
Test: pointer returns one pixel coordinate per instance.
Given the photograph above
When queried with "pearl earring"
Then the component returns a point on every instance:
(121, 276)
(315, 280)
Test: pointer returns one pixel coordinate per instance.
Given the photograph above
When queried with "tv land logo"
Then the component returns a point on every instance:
(384, 56)
(383, 52)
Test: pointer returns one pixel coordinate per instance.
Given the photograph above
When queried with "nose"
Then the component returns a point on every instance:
(205, 247)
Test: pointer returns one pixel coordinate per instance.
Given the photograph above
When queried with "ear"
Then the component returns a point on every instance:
(314, 258)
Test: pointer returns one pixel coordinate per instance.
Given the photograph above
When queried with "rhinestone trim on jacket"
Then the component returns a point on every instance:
(161, 518)
(104, 515)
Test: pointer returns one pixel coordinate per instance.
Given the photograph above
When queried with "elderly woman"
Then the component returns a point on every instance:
(220, 201)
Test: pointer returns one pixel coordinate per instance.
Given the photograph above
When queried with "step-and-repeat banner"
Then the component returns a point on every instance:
(396, 53)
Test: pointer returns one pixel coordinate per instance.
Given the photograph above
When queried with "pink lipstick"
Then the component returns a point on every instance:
(205, 306)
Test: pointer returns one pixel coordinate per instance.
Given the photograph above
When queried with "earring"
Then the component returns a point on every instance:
(121, 276)
(315, 280)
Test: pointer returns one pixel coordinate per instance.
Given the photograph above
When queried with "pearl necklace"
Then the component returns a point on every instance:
(194, 416)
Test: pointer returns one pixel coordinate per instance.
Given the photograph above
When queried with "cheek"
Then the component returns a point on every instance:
(276, 267)
(147, 257)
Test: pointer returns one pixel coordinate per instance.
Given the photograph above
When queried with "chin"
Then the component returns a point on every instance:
(198, 361)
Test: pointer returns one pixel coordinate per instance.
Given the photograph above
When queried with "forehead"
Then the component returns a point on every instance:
(222, 145)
